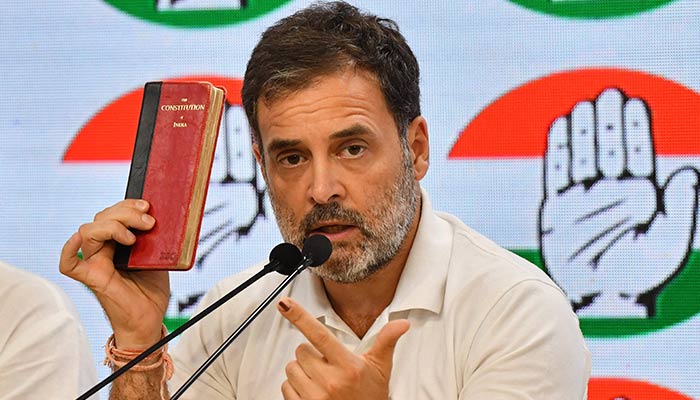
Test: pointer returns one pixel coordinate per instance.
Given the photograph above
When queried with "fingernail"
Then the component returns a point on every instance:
(147, 219)
(141, 204)
(283, 305)
(130, 235)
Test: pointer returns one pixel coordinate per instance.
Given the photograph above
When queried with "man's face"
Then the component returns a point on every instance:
(335, 165)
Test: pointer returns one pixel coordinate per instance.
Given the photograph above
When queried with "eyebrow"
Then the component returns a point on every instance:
(282, 144)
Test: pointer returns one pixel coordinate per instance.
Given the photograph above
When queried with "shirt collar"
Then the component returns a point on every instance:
(422, 282)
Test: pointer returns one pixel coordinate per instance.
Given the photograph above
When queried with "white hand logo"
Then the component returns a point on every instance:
(236, 196)
(610, 235)
(235, 200)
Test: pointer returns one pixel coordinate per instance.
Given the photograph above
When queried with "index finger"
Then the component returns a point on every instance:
(69, 255)
(317, 334)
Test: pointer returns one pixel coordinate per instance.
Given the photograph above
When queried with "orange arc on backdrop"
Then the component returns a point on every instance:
(517, 123)
(109, 136)
(625, 389)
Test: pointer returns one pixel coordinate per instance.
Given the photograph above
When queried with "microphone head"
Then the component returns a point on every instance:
(317, 249)
(285, 257)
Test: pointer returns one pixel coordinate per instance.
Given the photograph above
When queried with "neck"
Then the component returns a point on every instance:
(359, 304)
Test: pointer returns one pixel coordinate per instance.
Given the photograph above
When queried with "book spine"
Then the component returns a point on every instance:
(139, 163)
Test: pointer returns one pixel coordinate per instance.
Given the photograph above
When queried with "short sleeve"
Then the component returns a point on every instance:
(528, 347)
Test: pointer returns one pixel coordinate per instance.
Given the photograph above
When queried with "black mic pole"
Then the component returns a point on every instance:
(282, 257)
(317, 249)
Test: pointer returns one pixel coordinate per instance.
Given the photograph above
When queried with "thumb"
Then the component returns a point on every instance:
(680, 195)
(381, 353)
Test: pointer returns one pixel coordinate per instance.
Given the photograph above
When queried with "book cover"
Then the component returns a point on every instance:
(170, 168)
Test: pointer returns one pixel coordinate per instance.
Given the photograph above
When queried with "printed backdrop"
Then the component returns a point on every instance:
(566, 130)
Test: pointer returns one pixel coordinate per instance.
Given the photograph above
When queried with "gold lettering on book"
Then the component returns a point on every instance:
(182, 107)
(179, 124)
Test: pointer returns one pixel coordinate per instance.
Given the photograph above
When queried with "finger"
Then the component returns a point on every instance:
(680, 204)
(130, 212)
(94, 236)
(382, 351)
(311, 361)
(306, 352)
(640, 150)
(583, 163)
(69, 255)
(300, 382)
(611, 151)
(288, 392)
(315, 332)
(557, 158)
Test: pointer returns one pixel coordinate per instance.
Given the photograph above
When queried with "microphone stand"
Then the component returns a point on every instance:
(116, 374)
(307, 262)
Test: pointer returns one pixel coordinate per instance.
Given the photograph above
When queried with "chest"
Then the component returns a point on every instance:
(424, 363)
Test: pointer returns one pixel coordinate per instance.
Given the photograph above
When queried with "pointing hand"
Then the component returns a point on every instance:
(325, 369)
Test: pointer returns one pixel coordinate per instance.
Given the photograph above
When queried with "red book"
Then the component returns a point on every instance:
(170, 168)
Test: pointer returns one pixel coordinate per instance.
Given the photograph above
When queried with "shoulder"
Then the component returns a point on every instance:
(41, 326)
(478, 264)
(511, 318)
(28, 295)
(490, 288)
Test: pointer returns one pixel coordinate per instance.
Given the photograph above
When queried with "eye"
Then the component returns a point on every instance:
(352, 151)
(290, 160)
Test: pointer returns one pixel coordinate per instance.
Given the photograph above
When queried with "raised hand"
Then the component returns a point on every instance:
(135, 302)
(608, 231)
(325, 369)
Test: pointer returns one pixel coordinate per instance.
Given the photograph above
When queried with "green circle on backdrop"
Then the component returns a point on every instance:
(200, 18)
(591, 9)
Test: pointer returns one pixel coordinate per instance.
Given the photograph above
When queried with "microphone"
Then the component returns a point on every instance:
(284, 258)
(316, 250)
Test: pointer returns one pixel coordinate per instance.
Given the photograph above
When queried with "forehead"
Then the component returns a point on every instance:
(350, 96)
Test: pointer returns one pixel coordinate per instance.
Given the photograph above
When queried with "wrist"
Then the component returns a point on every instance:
(138, 340)
(119, 358)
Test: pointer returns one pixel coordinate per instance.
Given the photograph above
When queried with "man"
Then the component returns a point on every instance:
(44, 353)
(412, 303)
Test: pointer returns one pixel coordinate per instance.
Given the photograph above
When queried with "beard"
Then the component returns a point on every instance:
(383, 227)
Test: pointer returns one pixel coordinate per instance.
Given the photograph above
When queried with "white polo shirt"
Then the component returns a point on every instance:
(485, 324)
(44, 352)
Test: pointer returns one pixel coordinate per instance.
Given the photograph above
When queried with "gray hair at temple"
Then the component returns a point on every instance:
(326, 38)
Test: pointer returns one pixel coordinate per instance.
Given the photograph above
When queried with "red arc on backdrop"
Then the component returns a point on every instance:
(516, 124)
(626, 389)
(110, 134)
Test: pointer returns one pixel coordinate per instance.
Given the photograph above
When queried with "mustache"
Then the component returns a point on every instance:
(321, 213)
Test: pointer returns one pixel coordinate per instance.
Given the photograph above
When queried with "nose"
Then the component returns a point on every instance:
(325, 186)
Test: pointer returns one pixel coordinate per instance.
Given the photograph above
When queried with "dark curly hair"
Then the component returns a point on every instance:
(326, 38)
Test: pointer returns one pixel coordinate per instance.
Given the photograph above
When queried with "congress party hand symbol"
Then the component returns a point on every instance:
(236, 190)
(235, 200)
(608, 231)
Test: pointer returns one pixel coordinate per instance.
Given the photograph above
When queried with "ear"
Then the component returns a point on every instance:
(417, 136)
(259, 159)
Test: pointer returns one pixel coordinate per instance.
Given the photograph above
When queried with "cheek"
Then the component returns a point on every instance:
(285, 198)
